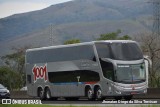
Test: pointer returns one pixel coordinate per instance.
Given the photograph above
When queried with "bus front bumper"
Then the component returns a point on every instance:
(131, 90)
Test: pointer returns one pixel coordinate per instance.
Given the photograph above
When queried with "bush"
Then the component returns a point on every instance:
(10, 79)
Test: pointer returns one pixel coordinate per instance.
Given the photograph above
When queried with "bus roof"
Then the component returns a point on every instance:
(80, 44)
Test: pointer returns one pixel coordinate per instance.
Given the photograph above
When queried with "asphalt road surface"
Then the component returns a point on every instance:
(106, 101)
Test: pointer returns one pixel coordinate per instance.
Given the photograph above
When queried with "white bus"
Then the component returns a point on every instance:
(93, 69)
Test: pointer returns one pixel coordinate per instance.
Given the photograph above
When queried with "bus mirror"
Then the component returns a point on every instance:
(148, 65)
(146, 58)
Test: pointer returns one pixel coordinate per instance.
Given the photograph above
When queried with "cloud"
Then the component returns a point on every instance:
(11, 7)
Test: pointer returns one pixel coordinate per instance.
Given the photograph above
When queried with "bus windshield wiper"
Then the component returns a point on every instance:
(125, 80)
(138, 79)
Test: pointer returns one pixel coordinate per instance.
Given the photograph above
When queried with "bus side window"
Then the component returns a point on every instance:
(29, 79)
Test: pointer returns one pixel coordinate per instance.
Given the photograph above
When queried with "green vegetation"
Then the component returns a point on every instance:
(10, 79)
(27, 105)
(150, 47)
(114, 36)
(107, 36)
(19, 105)
(12, 74)
(72, 41)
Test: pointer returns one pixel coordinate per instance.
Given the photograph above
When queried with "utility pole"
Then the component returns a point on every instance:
(51, 34)
(156, 17)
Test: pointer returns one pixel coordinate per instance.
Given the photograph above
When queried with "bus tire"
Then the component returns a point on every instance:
(41, 94)
(47, 94)
(98, 94)
(89, 94)
(127, 98)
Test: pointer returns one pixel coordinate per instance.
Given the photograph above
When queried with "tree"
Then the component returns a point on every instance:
(113, 36)
(15, 62)
(9, 78)
(125, 37)
(72, 41)
(151, 47)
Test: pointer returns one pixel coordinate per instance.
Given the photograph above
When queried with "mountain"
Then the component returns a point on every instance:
(83, 19)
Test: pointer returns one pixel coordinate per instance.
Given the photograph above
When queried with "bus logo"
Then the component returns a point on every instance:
(133, 87)
(40, 72)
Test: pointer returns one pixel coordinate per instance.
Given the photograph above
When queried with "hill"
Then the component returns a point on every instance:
(83, 19)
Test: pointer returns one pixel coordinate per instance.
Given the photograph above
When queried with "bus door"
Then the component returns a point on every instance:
(108, 73)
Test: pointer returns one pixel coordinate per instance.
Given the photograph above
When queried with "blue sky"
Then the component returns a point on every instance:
(10, 7)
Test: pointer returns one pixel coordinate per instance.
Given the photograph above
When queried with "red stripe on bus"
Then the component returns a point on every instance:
(91, 82)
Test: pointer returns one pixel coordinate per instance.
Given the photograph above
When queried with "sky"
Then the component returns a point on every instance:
(10, 7)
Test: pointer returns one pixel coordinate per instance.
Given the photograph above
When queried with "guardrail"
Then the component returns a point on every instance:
(151, 93)
(19, 94)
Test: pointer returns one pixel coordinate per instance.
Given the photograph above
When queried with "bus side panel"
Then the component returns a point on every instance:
(71, 90)
(63, 77)
(35, 79)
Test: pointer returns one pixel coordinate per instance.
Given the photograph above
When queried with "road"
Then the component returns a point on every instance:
(85, 102)
(106, 101)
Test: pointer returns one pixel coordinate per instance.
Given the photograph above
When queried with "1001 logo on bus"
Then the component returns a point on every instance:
(40, 72)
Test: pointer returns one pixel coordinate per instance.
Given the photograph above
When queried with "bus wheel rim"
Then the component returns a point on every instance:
(90, 94)
(48, 95)
(99, 93)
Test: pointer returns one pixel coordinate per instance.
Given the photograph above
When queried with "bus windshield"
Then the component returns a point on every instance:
(131, 73)
(119, 51)
(126, 51)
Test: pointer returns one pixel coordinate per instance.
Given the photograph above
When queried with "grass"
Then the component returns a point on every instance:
(31, 105)
(27, 105)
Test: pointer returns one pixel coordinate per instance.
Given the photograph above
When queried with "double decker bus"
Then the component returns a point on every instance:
(93, 69)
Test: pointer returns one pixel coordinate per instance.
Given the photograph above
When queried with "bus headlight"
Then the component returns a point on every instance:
(8, 91)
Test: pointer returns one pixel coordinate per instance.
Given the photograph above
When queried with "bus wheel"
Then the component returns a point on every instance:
(98, 94)
(47, 94)
(129, 97)
(41, 93)
(89, 94)
(118, 98)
